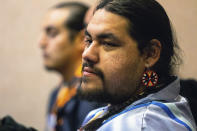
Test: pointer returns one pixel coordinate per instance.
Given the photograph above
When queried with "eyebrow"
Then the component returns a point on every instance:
(103, 36)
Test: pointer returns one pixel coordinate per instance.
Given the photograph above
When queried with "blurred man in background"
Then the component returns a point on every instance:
(61, 43)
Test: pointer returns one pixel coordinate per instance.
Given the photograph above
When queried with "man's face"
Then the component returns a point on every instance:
(55, 41)
(112, 63)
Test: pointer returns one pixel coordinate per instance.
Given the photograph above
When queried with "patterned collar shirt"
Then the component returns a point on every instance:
(164, 110)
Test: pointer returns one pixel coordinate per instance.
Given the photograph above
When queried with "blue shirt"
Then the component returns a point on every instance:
(164, 110)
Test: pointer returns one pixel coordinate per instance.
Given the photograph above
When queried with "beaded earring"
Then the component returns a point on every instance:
(149, 78)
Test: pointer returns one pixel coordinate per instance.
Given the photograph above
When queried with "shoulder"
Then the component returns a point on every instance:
(152, 116)
(52, 98)
(168, 116)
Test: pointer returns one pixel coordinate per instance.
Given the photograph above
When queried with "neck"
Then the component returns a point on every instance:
(69, 71)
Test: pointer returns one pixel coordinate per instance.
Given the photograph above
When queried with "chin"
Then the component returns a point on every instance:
(51, 68)
(92, 95)
(99, 94)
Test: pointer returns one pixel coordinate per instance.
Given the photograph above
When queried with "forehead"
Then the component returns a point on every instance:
(55, 17)
(106, 22)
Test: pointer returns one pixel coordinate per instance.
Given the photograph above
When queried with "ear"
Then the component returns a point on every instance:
(79, 41)
(152, 53)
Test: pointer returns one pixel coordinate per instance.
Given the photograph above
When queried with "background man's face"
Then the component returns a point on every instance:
(113, 65)
(55, 40)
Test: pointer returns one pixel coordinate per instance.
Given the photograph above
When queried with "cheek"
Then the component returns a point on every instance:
(122, 71)
(59, 47)
(114, 68)
(115, 64)
(60, 41)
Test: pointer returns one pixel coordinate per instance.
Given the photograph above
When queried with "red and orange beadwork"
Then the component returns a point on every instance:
(149, 78)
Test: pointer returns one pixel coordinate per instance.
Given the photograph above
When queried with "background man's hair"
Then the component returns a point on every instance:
(75, 21)
(148, 20)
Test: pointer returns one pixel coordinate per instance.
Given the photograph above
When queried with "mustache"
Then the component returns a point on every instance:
(96, 71)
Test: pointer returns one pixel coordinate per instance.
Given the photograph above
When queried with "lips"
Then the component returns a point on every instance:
(87, 71)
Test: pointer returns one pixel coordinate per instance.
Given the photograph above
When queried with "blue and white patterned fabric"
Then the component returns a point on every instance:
(165, 110)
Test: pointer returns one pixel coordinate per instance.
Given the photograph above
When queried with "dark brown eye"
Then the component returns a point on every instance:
(52, 33)
(108, 44)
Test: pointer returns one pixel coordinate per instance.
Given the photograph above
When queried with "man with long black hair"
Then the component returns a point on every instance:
(128, 62)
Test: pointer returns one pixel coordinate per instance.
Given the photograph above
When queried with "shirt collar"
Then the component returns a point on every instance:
(169, 93)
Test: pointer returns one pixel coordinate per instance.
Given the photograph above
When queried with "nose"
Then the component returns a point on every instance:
(91, 53)
(42, 41)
